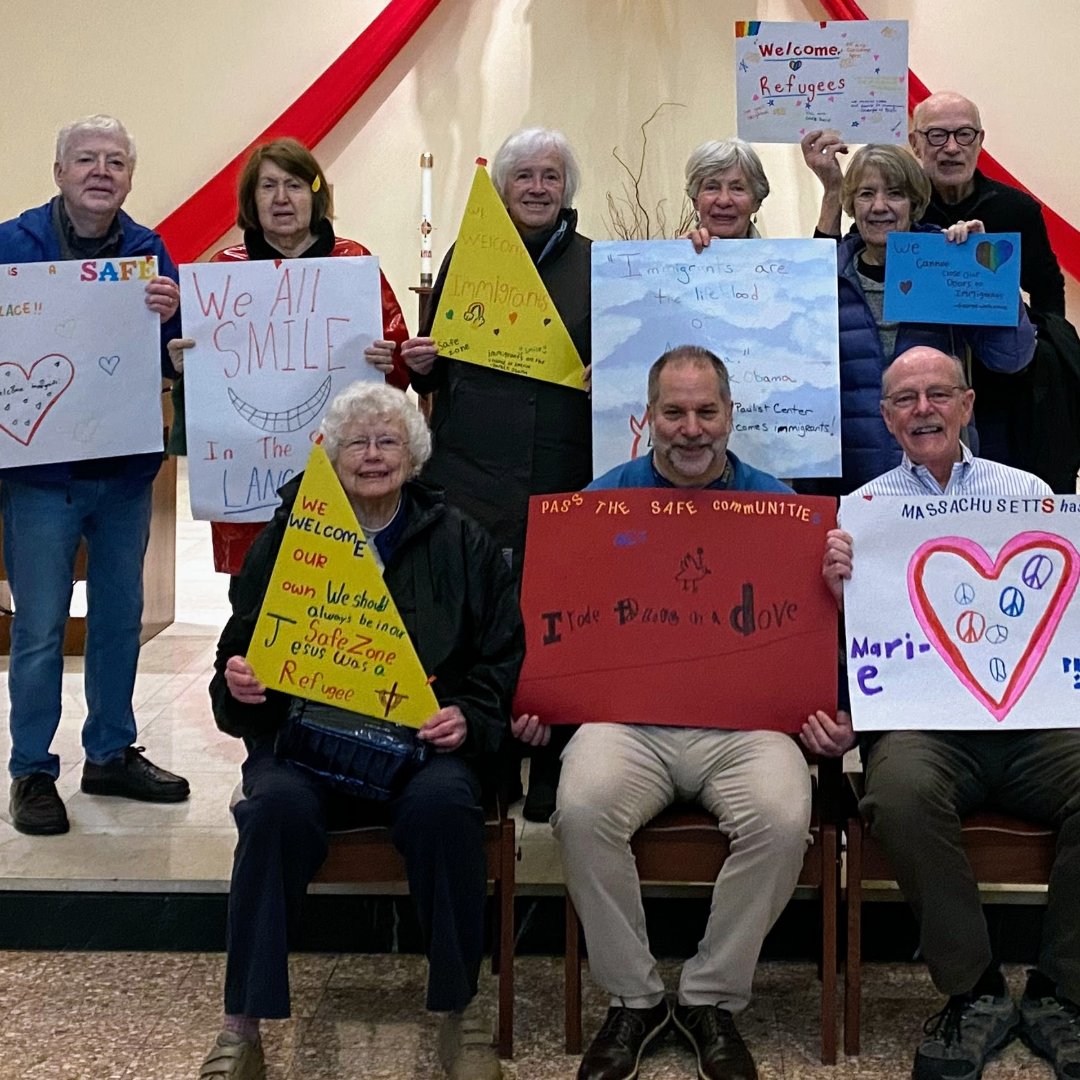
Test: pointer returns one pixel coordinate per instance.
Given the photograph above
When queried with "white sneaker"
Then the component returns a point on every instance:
(465, 1049)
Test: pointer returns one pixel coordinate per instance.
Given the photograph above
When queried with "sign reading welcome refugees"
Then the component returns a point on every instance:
(80, 361)
(275, 340)
(667, 606)
(329, 630)
(962, 612)
(767, 308)
(795, 77)
(494, 309)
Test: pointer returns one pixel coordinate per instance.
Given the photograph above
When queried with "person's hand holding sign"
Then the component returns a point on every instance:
(446, 730)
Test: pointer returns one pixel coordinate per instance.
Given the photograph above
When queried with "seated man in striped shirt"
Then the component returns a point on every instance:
(920, 783)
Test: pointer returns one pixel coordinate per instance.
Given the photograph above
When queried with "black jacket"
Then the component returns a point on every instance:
(1007, 209)
(500, 438)
(455, 597)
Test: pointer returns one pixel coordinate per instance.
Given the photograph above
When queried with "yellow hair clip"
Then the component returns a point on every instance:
(316, 183)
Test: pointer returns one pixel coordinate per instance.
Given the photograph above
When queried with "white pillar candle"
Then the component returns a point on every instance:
(426, 163)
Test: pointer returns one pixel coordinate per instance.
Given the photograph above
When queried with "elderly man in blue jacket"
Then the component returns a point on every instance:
(47, 509)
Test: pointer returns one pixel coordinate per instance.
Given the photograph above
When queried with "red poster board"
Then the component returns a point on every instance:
(691, 608)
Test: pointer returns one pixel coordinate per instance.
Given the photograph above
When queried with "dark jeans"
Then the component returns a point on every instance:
(436, 822)
(919, 785)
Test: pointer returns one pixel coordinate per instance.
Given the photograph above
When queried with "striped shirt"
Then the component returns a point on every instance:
(970, 476)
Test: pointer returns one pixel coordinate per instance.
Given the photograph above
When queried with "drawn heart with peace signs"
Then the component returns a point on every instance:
(27, 396)
(992, 620)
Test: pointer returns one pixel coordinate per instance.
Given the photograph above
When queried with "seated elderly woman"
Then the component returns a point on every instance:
(455, 597)
(885, 190)
(726, 183)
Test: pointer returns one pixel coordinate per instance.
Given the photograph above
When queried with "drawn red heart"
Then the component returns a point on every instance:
(937, 625)
(512, 317)
(905, 287)
(27, 396)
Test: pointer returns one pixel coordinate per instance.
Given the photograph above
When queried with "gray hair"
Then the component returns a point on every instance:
(527, 143)
(691, 356)
(376, 401)
(717, 156)
(94, 125)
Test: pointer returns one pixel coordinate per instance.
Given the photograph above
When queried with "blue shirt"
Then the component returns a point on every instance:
(641, 473)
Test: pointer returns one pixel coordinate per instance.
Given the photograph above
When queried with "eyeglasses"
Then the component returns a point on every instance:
(936, 395)
(385, 444)
(964, 136)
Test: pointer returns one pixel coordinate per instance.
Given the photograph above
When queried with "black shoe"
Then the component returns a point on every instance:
(132, 776)
(35, 807)
(616, 1051)
(721, 1052)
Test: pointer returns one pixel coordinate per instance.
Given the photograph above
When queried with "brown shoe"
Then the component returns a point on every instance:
(233, 1058)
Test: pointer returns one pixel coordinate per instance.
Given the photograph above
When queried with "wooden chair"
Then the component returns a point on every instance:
(1002, 850)
(366, 856)
(682, 845)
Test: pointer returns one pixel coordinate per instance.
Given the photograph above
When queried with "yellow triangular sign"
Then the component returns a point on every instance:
(329, 630)
(494, 309)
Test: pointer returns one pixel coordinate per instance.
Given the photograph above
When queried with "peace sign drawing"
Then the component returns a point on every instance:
(992, 620)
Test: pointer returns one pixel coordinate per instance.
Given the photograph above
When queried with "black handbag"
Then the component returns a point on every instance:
(353, 753)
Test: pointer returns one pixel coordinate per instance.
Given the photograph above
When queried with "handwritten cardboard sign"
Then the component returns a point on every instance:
(962, 612)
(494, 309)
(930, 280)
(80, 361)
(275, 341)
(767, 308)
(793, 77)
(690, 608)
(329, 630)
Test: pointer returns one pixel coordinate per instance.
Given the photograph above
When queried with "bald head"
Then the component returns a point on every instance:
(920, 360)
(946, 99)
(946, 135)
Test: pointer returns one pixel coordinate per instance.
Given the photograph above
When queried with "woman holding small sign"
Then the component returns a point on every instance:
(454, 598)
(285, 207)
(885, 190)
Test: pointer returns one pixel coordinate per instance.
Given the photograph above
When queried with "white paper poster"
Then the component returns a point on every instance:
(275, 341)
(767, 308)
(80, 361)
(795, 77)
(962, 612)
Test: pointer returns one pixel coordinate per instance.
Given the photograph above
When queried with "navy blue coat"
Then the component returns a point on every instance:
(867, 448)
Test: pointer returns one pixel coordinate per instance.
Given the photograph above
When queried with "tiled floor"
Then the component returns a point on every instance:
(152, 1016)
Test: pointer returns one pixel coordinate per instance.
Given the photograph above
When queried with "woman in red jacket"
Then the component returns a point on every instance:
(285, 207)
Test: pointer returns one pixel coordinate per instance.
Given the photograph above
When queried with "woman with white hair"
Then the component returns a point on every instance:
(500, 438)
(726, 183)
(455, 597)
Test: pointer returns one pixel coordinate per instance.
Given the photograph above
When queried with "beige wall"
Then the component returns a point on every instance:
(195, 82)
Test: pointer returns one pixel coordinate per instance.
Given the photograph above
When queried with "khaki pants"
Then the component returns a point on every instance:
(616, 778)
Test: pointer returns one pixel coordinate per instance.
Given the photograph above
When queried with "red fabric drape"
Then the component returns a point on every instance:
(208, 214)
(1064, 237)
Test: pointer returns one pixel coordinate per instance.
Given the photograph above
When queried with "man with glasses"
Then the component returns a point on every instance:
(947, 136)
(919, 784)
